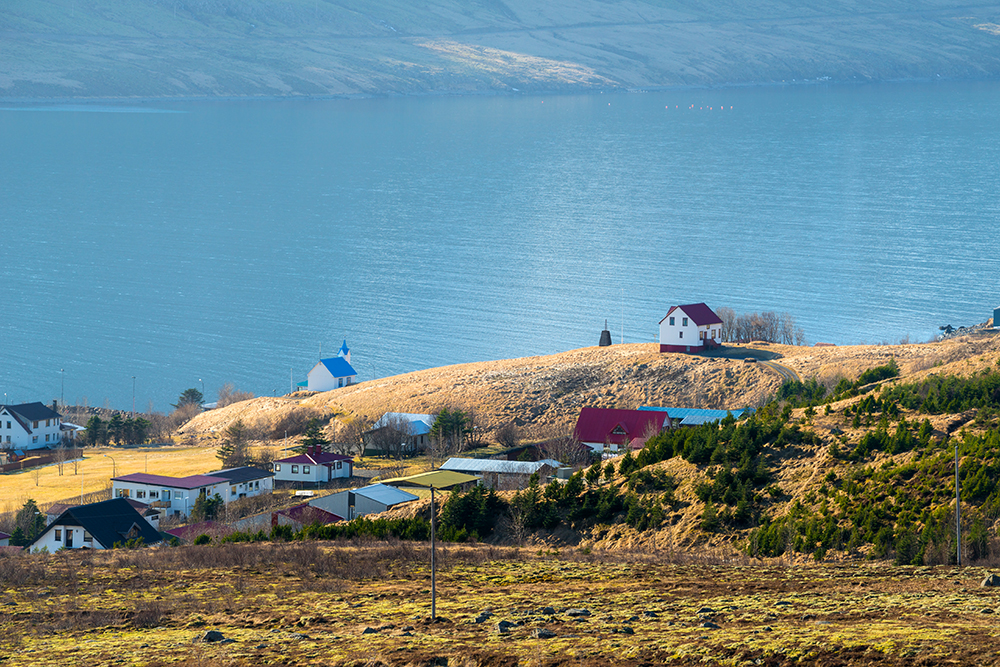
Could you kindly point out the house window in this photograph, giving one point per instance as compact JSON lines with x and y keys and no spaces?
{"x":166,"y":495}
{"x":680,"y":334}
{"x":140,"y":494}
{"x":34,"y":424}
{"x":34,"y":439}
{"x":618,"y":430}
{"x":340,"y":382}
{"x":123,"y":493}
{"x":46,"y":437}
{"x":277,"y":467}
{"x":88,"y":538}
{"x":305,"y":470}
{"x":671,"y":321}
{"x":256,"y":485}
{"x":684,"y":322}
{"x":232,"y":490}
{"x":47,"y":423}
{"x":295,"y":470}
{"x":154,"y":494}
{"x":58,"y":535}
{"x":340,"y":464}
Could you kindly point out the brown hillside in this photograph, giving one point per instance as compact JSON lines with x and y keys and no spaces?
{"x":548,"y":391}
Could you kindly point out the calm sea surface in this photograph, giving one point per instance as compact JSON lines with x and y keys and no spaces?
{"x":231,"y":242}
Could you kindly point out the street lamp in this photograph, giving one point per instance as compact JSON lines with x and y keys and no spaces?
{"x":202,"y":388}
{"x":114,"y":467}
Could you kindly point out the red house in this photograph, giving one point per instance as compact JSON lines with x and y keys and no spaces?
{"x":601,"y":427}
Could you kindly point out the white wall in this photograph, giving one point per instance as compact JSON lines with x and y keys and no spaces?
{"x":181,"y":500}
{"x":13,"y":436}
{"x":296,"y":472}
{"x":337,"y":503}
{"x":48,"y":539}
{"x":678,"y":333}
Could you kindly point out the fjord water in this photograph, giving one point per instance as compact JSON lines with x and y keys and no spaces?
{"x":230,"y":241}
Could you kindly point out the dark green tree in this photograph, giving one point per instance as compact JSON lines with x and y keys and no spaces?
{"x":205,"y":508}
{"x":450,"y":429}
{"x":97,"y":432}
{"x":116,"y":429}
{"x":234,"y":451}
{"x":30,"y":522}
{"x":189,"y":397}
{"x":314,"y":435}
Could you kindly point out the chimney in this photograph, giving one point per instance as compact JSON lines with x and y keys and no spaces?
{"x":55,"y":405}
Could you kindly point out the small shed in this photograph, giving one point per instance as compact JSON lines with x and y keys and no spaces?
{"x":372,"y":499}
{"x":503,"y":475}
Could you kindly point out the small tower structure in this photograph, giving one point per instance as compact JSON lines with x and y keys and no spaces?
{"x":605,"y":336}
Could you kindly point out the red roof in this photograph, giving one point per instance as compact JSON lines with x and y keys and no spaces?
{"x":699,"y":313}
{"x":616,"y":427}
{"x":316,"y":459}
{"x":307,"y":515}
{"x":191,"y":482}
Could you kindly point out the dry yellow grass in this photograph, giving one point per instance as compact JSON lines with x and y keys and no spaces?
{"x":45,"y":485}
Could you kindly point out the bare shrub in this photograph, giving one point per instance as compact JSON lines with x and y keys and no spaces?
{"x":294,"y":423}
{"x":348,"y":437}
{"x":228,"y":394}
{"x":508,"y":435}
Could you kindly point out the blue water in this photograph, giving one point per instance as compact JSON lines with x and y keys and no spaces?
{"x":232,"y":241}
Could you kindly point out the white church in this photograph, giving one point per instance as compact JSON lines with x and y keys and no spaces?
{"x":333,"y":373}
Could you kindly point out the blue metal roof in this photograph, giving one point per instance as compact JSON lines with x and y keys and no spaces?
{"x":697,"y":416}
{"x":386,"y":495}
{"x":338,"y":367}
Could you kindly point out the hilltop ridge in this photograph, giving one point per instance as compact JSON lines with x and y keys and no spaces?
{"x":319,"y":48}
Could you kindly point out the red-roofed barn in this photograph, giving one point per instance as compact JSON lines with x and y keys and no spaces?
{"x":600,"y":427}
{"x":691,"y":328}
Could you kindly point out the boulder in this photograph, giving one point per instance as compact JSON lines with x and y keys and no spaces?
{"x":577,"y":612}
{"x":503,"y":627}
{"x":990,"y":581}
{"x":542,"y":633}
{"x":211,"y":636}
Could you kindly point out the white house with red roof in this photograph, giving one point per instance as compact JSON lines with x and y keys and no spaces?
{"x":691,"y":328}
{"x":603,"y":428}
{"x":177,"y":495}
{"x":313,"y":467}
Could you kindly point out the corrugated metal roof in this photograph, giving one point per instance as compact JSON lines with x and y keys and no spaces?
{"x":439,"y":479}
{"x":419,"y":424}
{"x":492,"y":465}
{"x":696,"y":416}
{"x":386,"y":495}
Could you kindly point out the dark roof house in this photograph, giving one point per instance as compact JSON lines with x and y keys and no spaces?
{"x":96,"y":526}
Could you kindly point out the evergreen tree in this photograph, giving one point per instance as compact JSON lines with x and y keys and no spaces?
{"x":314,"y":435}
{"x":30,"y":522}
{"x":234,"y":451}
{"x":189,"y":397}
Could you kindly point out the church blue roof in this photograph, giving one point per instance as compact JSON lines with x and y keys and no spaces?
{"x":338,"y":367}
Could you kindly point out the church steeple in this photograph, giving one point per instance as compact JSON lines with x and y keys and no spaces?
{"x":345,"y":352}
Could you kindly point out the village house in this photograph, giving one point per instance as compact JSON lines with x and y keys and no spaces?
{"x":177,"y":495}
{"x":150,"y":514}
{"x":352,"y":503}
{"x":503,"y":475}
{"x":607,"y":429}
{"x":29,"y":426}
{"x":314,"y":467}
{"x":417,"y":431}
{"x":96,"y":526}
{"x":691,"y":328}
{"x":332,"y":373}
{"x":4,"y":539}
{"x":300,"y":516}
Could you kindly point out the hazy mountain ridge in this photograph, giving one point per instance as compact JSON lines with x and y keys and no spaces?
{"x":215,"y":48}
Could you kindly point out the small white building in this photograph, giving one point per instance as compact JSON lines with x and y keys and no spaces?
{"x":29,"y":426}
{"x":313,"y":467}
{"x":352,"y":503}
{"x":96,"y":526}
{"x":417,"y":428}
{"x":691,"y":328}
{"x":332,"y":373}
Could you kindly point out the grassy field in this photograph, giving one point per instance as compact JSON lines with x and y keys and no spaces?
{"x":332,"y":604}
{"x":45,"y":485}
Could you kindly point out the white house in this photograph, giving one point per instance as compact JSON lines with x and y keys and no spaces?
{"x":245,"y":482}
{"x":372,"y":499}
{"x":29,"y":426}
{"x":174,"y":495}
{"x":96,"y":526}
{"x":690,"y":328}
{"x":417,"y":426}
{"x":332,"y":373}
{"x":313,"y":467}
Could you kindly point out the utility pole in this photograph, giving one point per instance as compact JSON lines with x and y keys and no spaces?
{"x":433,"y":561}
{"x":133,"y":396}
{"x":623,"y":316}
{"x":62,"y":387}
{"x":958,"y":514}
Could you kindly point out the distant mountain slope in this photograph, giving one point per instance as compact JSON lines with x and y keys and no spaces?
{"x":184,"y":48}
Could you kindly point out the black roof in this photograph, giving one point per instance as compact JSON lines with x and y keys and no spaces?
{"x":240,"y":475}
{"x":108,"y":522}
{"x":33,"y":411}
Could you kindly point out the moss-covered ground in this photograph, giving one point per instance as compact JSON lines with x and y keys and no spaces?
{"x":329,"y":604}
